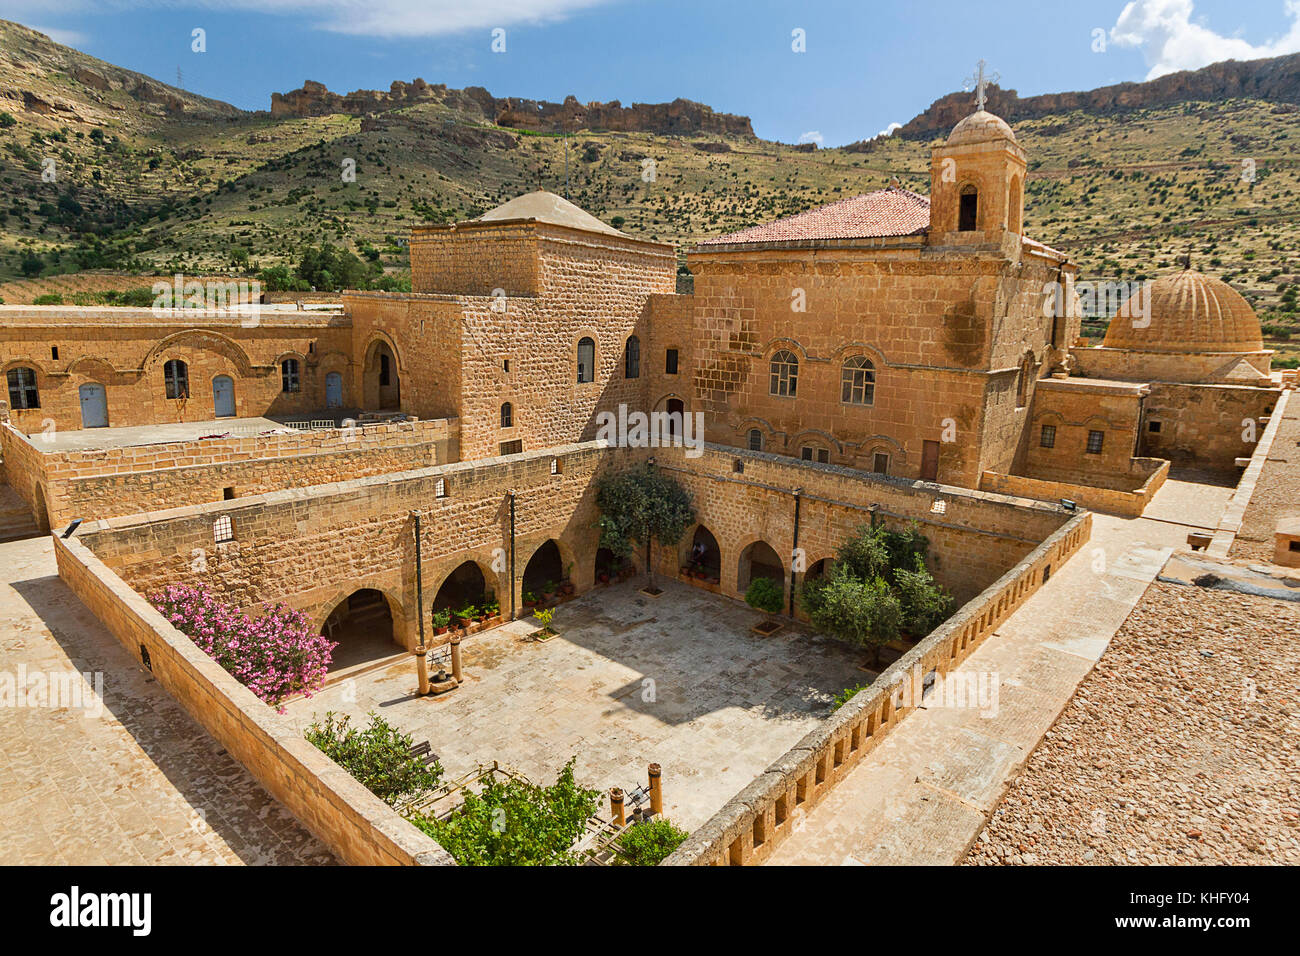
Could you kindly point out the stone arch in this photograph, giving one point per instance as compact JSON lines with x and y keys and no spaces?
{"x":818,"y":434}
{"x":970,"y":212}
{"x":470,"y":580}
{"x":545,"y":565}
{"x":780,"y":342}
{"x":759,"y":558}
{"x":700,"y":549}
{"x":365,"y":624}
{"x":93,"y":368}
{"x":381,"y":373}
{"x":849,"y":349}
{"x":215,"y":342}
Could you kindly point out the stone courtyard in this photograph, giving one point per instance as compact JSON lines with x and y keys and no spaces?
{"x":678,"y":680}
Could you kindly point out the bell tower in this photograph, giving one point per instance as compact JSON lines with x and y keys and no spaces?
{"x":977,"y":180}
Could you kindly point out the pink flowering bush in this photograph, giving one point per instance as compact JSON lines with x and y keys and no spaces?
{"x":275,"y":655}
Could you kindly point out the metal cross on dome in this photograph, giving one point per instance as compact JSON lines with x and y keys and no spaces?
{"x":979,"y":80}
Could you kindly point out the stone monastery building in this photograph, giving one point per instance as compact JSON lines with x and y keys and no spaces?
{"x":905,"y":344}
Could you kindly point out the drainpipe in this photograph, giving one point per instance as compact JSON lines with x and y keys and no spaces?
{"x":513,"y":609}
{"x":421,"y":664}
{"x":798,"y":498}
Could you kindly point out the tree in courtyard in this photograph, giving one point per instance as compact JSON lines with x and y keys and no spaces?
{"x":879,"y":587}
{"x":378,"y":756}
{"x":640,"y":506}
{"x":513,"y":822}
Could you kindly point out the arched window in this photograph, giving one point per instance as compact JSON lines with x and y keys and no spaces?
{"x":632,"y":358}
{"x":22,"y":388}
{"x":755,"y":440}
{"x":507,"y":416}
{"x":968,"y":209}
{"x":586,"y":359}
{"x":858,"y":381}
{"x":289,"y":380}
{"x":785,"y":374}
{"x":176,"y":375}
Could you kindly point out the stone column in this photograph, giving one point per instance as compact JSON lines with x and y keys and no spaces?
{"x":616,"y":806}
{"x":455,"y":658}
{"x":656,"y":790}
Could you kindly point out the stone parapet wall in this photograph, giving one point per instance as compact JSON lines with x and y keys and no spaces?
{"x":750,"y":826}
{"x":1145,"y":478}
{"x":355,"y":824}
{"x":147,"y":478}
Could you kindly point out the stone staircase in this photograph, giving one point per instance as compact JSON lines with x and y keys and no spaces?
{"x":16,"y":520}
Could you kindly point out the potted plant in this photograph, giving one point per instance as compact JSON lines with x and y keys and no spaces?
{"x":548,"y":591}
{"x":566,"y":584}
{"x":543,"y":616}
{"x":441,"y":621}
{"x":465,"y":615}
{"x":530,"y":599}
{"x":603,"y":575}
{"x":492,"y":608}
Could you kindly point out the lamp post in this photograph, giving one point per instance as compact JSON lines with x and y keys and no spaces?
{"x":421,"y":663}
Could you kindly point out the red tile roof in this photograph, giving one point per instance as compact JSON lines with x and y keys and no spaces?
{"x":885,"y":212}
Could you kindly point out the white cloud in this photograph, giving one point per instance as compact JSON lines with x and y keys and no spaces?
{"x":1170,"y":41}
{"x":889,"y":130}
{"x":812,"y":136}
{"x":66,"y":37}
{"x":381,"y":18}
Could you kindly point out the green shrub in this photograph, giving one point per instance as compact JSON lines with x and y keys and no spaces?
{"x":846,"y":695}
{"x":50,"y":298}
{"x":379,"y":756}
{"x":516,"y":823}
{"x":765,"y":595}
{"x":649,"y":843}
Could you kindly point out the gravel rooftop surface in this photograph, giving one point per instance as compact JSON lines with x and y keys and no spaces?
{"x":1181,"y":747}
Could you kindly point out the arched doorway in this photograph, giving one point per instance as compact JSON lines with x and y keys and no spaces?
{"x":466,"y":585}
{"x":362,"y":624}
{"x":223,"y":396}
{"x":759,"y":560}
{"x":94,"y":405}
{"x":334,"y":390}
{"x":383,"y":385}
{"x":704,"y":557}
{"x":545,"y":570}
{"x":676,"y":415}
{"x":818,"y":569}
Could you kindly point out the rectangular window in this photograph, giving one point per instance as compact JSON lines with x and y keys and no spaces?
{"x":1153,"y":426}
{"x":440,"y":488}
{"x":1047,"y":438}
{"x":880,"y":463}
{"x":223,"y":530}
{"x":512,"y":447}
{"x":755,"y":440}
{"x":806,"y":453}
{"x":1095,"y":439}
{"x":670,"y":362}
{"x":54,"y":352}
{"x":823,"y":456}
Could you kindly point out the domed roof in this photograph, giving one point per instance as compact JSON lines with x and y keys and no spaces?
{"x":980,"y":127}
{"x":1189,"y":312}
{"x":547,"y":207}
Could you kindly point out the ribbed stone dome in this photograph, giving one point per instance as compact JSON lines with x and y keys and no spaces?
{"x":980,"y":127}
{"x":1190,"y":312}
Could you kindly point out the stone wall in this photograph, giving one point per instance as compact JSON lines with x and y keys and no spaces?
{"x":973,"y":540}
{"x":1129,"y":499}
{"x":1134,"y":366}
{"x":355,"y":824}
{"x":1206,"y":426}
{"x":111,"y":482}
{"x":311,"y":548}
{"x":750,"y":826}
{"x":1074,"y":408}
{"x":124,"y":350}
{"x":925,"y":319}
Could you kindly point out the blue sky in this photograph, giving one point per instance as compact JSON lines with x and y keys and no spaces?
{"x":867,"y":63}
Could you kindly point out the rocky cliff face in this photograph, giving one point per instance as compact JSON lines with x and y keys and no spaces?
{"x":680,"y":116}
{"x":1276,"y":79}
